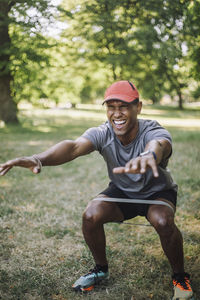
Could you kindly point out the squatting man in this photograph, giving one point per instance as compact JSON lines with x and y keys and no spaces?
{"x":136,"y":152}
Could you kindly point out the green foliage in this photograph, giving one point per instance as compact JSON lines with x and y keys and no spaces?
{"x":144,"y":41}
{"x":191,"y":30}
{"x":29,"y":49}
{"x":153,"y":43}
{"x":29,"y":58}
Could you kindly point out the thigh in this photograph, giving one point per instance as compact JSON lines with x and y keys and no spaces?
{"x":103,"y":212}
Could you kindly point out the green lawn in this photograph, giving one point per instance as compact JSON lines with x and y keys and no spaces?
{"x":42,"y":249}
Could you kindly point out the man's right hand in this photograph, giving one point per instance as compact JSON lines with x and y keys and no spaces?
{"x":31,"y":162}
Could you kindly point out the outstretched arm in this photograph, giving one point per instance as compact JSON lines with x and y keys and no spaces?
{"x":60,"y":153}
{"x":140,"y":164}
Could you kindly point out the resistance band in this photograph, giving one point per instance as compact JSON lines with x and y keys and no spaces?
{"x":134,"y":201}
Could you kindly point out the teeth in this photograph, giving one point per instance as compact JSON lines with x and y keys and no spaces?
{"x":119,"y":122}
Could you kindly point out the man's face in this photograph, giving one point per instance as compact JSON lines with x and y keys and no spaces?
{"x":123,"y":117}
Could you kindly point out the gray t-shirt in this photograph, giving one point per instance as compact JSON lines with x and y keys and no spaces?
{"x":116,"y":155}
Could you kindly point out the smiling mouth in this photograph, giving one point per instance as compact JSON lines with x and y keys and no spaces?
{"x":119,"y":123}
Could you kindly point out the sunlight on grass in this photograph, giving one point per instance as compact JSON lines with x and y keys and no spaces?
{"x":34,"y":143}
{"x":72,"y":113}
{"x":171,"y":122}
{"x":61,"y":116}
{"x":44,"y":128}
{"x":2,"y":124}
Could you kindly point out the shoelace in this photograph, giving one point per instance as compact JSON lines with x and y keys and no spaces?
{"x":183,"y":282}
{"x":94,"y":270}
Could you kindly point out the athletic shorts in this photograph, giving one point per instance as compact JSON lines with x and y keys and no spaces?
{"x":131,"y":210}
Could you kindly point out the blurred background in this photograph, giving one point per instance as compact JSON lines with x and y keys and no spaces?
{"x":63,"y":53}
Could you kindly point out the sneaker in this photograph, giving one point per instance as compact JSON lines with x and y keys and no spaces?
{"x":182,"y":287}
{"x":87,"y":282}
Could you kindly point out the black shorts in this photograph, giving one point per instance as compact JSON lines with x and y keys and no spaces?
{"x":131,"y":210}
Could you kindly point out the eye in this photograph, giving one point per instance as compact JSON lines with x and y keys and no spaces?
{"x":124,"y":107}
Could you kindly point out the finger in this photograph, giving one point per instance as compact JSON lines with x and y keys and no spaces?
{"x":3,"y":171}
{"x":149,"y":163}
{"x":128,"y":165}
{"x":5,"y":165}
{"x":119,"y":170}
{"x":132,"y":166}
{"x":8,"y":164}
{"x":143,"y":165}
{"x":154,"y":168}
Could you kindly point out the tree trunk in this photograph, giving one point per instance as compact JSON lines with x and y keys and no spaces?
{"x":114,"y":73}
{"x":8,"y":108}
{"x":154,"y":99}
{"x":180,"y":100}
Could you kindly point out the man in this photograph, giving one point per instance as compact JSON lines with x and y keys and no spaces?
{"x":136,"y":152}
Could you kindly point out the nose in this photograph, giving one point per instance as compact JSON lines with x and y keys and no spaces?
{"x":117,"y":112}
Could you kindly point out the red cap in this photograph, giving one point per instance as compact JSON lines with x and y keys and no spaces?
{"x":122,"y":90}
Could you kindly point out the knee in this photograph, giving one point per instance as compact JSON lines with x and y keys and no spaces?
{"x":88,"y":216}
{"x":164,"y":225}
{"x":91,"y":215}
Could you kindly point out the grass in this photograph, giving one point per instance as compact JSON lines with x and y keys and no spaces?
{"x":42,"y":249}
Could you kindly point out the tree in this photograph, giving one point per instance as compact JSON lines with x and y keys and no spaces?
{"x":21,"y":41}
{"x":139,"y":40}
{"x":7,"y":105}
{"x":155,"y":43}
{"x":192,"y":37}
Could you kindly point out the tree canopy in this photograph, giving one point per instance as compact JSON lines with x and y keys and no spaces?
{"x":154,"y":43}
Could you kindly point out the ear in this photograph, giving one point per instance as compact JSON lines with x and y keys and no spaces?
{"x":139,"y":107}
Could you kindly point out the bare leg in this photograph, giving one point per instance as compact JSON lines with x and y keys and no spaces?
{"x":96,"y":214}
{"x":162,"y":218}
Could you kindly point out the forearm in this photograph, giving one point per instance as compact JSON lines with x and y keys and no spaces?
{"x":162,"y":149}
{"x":58,"y":154}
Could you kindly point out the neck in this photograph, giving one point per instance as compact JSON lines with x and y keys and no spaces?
{"x":129,"y":136}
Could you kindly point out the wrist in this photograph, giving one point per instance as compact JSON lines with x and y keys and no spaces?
{"x":148,"y":152}
{"x":37,"y":159}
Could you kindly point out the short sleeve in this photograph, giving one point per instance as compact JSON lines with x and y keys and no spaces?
{"x":155,"y":131}
{"x":98,"y":136}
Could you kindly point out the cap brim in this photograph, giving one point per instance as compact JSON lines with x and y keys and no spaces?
{"x":123,"y":99}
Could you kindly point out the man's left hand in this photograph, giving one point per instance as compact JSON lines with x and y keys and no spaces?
{"x":139,"y":165}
